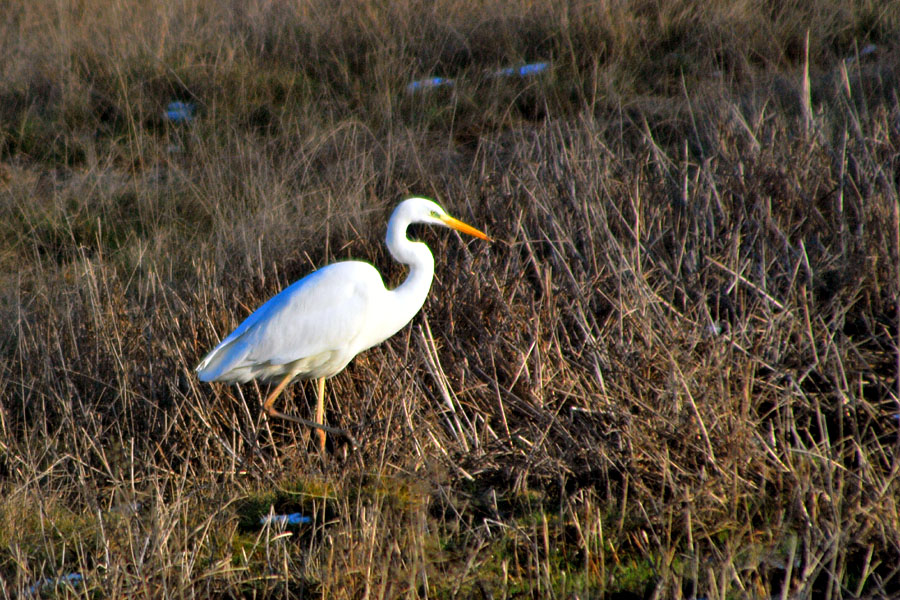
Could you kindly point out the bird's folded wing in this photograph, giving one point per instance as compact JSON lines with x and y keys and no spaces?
{"x":315,"y":317}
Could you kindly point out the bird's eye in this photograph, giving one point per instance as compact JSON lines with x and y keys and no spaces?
{"x":435,"y":215}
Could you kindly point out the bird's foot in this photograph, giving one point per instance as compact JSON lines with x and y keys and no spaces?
{"x":342,"y":434}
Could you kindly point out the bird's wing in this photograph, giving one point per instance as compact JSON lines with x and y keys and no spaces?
{"x":318,"y":315}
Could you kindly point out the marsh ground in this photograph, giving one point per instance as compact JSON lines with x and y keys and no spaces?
{"x":674,"y":374}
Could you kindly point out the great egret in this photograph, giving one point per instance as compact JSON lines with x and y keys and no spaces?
{"x":314,"y":327}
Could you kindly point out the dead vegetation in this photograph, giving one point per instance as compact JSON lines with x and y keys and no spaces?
{"x":675,"y":374}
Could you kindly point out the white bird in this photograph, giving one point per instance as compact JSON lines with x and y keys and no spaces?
{"x":314,"y":327}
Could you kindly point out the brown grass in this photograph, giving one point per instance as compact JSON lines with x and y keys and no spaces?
{"x":675,"y":374}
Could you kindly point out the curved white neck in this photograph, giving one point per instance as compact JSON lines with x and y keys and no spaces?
{"x":409,"y":295}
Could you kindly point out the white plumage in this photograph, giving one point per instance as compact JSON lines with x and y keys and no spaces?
{"x":274,"y":341}
{"x":315,"y":326}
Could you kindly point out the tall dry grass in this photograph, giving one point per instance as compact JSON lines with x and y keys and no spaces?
{"x":673,"y":375}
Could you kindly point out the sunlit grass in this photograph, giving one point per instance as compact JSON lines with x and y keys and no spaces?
{"x":672,"y":375}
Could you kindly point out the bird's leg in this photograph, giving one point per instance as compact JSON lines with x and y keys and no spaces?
{"x":270,"y":401}
{"x":320,"y":412}
{"x":268,"y":406}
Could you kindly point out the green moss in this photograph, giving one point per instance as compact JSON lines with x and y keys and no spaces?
{"x":36,"y":533}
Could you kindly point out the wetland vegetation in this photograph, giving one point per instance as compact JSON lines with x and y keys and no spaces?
{"x":673,"y":375}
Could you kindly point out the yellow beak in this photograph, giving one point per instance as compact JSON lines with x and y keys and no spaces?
{"x":463,"y":227}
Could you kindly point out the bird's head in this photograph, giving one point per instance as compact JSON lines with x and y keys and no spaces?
{"x":423,"y":210}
